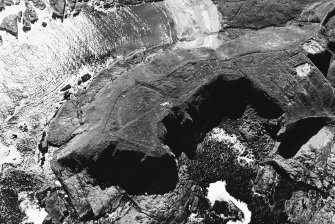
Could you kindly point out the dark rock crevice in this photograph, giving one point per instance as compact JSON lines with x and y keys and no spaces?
{"x":298,"y":133}
{"x":187,"y":125}
{"x":134,"y":172}
{"x":321,"y":61}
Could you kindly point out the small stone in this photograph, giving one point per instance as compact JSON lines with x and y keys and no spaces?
{"x":67,"y":87}
{"x":1,"y":41}
{"x":44,"y":24}
{"x":86,"y":77}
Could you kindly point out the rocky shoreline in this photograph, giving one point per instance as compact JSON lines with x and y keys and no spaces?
{"x":235,"y":91}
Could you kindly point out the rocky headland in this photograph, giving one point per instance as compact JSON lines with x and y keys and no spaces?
{"x":131,"y":111}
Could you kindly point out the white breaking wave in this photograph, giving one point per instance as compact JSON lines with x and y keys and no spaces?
{"x":9,"y":155}
{"x":34,"y":214}
{"x":217,"y":192}
{"x":220,"y":135}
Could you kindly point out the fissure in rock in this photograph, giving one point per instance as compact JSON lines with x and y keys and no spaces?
{"x":298,"y":134}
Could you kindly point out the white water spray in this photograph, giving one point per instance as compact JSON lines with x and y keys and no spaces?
{"x":217,"y":192}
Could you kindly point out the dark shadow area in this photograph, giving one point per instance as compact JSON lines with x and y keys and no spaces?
{"x":321,"y":61}
{"x":331,"y":46}
{"x":187,"y":125}
{"x":134,"y":172}
{"x":298,"y":134}
{"x":328,"y":16}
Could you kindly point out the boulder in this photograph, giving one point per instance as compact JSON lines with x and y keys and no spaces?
{"x":9,"y":24}
{"x":30,"y":13}
{"x":314,"y":163}
{"x":58,"y":7}
{"x":39,"y":4}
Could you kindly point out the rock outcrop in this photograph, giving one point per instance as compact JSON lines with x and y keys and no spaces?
{"x":314,"y":162}
{"x":138,"y":124}
{"x":250,"y":102}
{"x":257,"y":14}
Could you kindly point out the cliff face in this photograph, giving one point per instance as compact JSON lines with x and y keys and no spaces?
{"x":155,"y":101}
